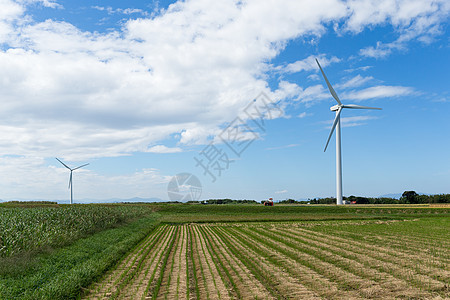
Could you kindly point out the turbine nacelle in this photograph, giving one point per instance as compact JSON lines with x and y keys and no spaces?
{"x":335,"y":107}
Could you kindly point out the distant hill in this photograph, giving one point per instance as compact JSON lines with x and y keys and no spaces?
{"x":119,"y":200}
{"x":88,"y":200}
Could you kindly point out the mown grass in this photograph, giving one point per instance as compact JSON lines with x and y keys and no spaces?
{"x":185,"y":213}
{"x":62,"y":273}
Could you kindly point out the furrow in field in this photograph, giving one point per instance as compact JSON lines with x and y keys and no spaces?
{"x":359,"y":276}
{"x":270,"y":269}
{"x":149,"y":270}
{"x":397,"y":269}
{"x":320,"y":263}
{"x":193,"y":285}
{"x":249,"y":287}
{"x":199,"y":267}
{"x":405,"y":244}
{"x":125,"y":269}
{"x":176,"y":287}
{"x":213,"y":282}
{"x":169,"y":273}
{"x":150,"y":278}
{"x":104,"y":287}
{"x":396,"y":259}
{"x":222,"y":270}
{"x":419,"y":255}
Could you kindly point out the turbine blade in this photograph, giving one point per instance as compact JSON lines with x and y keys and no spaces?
{"x":338,"y":115}
{"x":63,"y":164}
{"x":354,"y":106}
{"x":79,"y":167}
{"x":70,"y":180}
{"x":333,"y":93}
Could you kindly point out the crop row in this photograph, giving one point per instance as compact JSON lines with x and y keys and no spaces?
{"x":276,"y":261}
{"x":24,"y":229}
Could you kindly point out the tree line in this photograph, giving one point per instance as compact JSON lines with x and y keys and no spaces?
{"x":224,"y":201}
{"x":408,"y":197}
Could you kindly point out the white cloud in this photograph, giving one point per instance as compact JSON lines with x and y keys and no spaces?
{"x":314,"y":77}
{"x":48,"y":3}
{"x":412,"y":20}
{"x":304,"y":115}
{"x":188,"y":70}
{"x":30,"y":177}
{"x":309,"y":63}
{"x":355,"y":121}
{"x":381,"y":91}
{"x":351,"y":121}
{"x":164,"y":149}
{"x":355,"y":81}
{"x":312,"y":94}
{"x":363,"y":68}
{"x":281,"y":192}
{"x":126,"y":11}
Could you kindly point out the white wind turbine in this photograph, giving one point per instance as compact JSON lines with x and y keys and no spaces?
{"x":337,"y":125}
{"x":70,"y":179}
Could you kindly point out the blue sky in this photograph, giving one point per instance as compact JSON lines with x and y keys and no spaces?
{"x":140,"y":88}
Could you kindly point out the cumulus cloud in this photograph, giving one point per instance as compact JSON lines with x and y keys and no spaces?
{"x":163,"y":149}
{"x":187,"y":70}
{"x":23,"y":175}
{"x":355,"y":81}
{"x":126,"y":11}
{"x":309,"y":63}
{"x":313,"y":94}
{"x":381,"y":91}
{"x":412,"y":20}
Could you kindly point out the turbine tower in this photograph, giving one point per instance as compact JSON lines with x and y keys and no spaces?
{"x":337,"y":125}
{"x":70,"y":179}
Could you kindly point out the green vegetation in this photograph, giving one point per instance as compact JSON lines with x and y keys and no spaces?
{"x":408,"y":197}
{"x":61,"y":273}
{"x":184,"y":213}
{"x":30,"y":227}
{"x":172,"y":251}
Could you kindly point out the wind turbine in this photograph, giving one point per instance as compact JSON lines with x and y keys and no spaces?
{"x":337,"y":125}
{"x":70,"y":179}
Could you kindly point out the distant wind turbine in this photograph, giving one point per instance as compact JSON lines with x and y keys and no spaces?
{"x":337,"y":124}
{"x":70,"y":179}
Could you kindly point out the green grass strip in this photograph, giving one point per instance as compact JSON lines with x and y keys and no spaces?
{"x":63,"y":273}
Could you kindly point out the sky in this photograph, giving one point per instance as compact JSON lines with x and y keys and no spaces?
{"x":222,"y":98}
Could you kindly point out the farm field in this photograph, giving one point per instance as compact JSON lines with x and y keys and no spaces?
{"x":182,"y":251}
{"x":351,"y":259}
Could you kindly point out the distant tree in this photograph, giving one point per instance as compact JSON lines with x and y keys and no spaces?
{"x":409,"y":197}
{"x":288,"y":201}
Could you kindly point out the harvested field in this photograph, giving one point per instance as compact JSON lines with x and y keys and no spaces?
{"x":317,"y":260}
